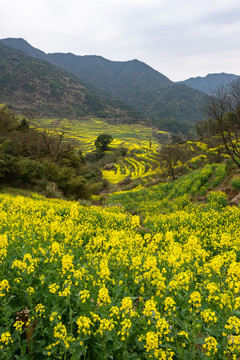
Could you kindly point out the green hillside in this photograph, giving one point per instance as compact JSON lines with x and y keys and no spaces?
{"x":39,"y":88}
{"x":211,"y":82}
{"x":138,"y":84}
{"x":134,"y":82}
{"x":92,"y":282}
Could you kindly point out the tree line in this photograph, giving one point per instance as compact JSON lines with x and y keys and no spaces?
{"x":42,"y":161}
{"x":221,"y":132}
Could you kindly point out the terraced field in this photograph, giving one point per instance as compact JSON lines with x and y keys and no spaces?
{"x":142,"y":144}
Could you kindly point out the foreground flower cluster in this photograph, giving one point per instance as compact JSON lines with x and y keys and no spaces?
{"x":85,"y":282}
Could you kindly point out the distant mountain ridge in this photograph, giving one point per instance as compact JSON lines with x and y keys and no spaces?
{"x":211,"y":82}
{"x":43,"y":89}
{"x":134,"y":82}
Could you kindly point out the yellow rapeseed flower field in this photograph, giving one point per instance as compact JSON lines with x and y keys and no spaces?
{"x":81,"y":282}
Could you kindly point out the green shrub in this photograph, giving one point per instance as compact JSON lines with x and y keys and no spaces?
{"x":202,"y":191}
{"x":205,"y":174}
{"x":235,"y":182}
{"x":53,"y":191}
{"x":217,"y":198}
{"x":78,"y":188}
{"x":195,"y":187}
{"x":220,"y":174}
{"x":30,"y":171}
{"x":181,"y":202}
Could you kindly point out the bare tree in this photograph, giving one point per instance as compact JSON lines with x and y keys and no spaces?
{"x":54,"y":145}
{"x":224,"y":108}
{"x":172,"y":158}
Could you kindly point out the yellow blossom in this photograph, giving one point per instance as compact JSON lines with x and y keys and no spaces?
{"x":5,"y":339}
{"x":18,"y":325}
{"x":30,"y":290}
{"x":105,"y":324}
{"x":103,"y":296}
{"x":4,"y":287}
{"x":60,"y":333}
{"x":40,"y":310}
{"x":150,"y":308}
{"x":67,"y":264}
{"x":210,"y":346}
{"x":209,"y":316}
{"x":233,"y":324}
{"x":54,"y":315}
{"x":53,"y":288}
{"x":66,"y":288}
{"x":3,"y":246}
{"x":84,"y":295}
{"x":195,"y":299}
{"x":170,"y":304}
{"x":124,"y":332}
{"x":84,"y":325}
{"x":151,"y":341}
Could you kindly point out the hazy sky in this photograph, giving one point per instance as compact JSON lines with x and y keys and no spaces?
{"x":179,"y":38}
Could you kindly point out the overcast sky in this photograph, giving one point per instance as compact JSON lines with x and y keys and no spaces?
{"x":179,"y":38}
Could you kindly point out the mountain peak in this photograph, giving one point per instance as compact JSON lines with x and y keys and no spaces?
{"x":211,"y":82}
{"x":133,"y":82}
{"x":23,"y":45}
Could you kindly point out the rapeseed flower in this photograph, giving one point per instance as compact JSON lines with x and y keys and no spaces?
{"x":40,"y":310}
{"x":3,"y":246}
{"x":5,"y":339}
{"x":210,"y":346}
{"x":4,"y":287}
{"x":104,"y":325}
{"x":103,"y":296}
{"x":195,"y":299}
{"x":124,"y":332}
{"x":84,"y":295}
{"x":84,"y":325}
{"x":209,"y":316}
{"x":53,"y":288}
{"x":18,"y":325}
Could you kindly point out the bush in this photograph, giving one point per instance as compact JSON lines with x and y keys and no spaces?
{"x":202,"y":191}
{"x":53,"y":191}
{"x":217,"y":197}
{"x":235,"y":182}
{"x":78,"y":188}
{"x":220,"y":174}
{"x":30,"y":171}
{"x":195,"y":187}
{"x":94,"y":156}
{"x":122,"y":151}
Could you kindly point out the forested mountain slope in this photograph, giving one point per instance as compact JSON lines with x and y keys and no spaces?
{"x":210,"y":83}
{"x":38,"y":87}
{"x":133,"y":81}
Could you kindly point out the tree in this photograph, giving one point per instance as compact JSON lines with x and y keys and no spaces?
{"x":23,"y":125}
{"x":103,"y":141}
{"x":224,"y":108}
{"x":172,"y":158}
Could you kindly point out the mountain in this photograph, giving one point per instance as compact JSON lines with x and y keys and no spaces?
{"x":134,"y":82}
{"x":210,"y":83}
{"x":35,"y":86}
{"x":21,"y":44}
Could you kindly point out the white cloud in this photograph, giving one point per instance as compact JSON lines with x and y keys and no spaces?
{"x":180,"y":38}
